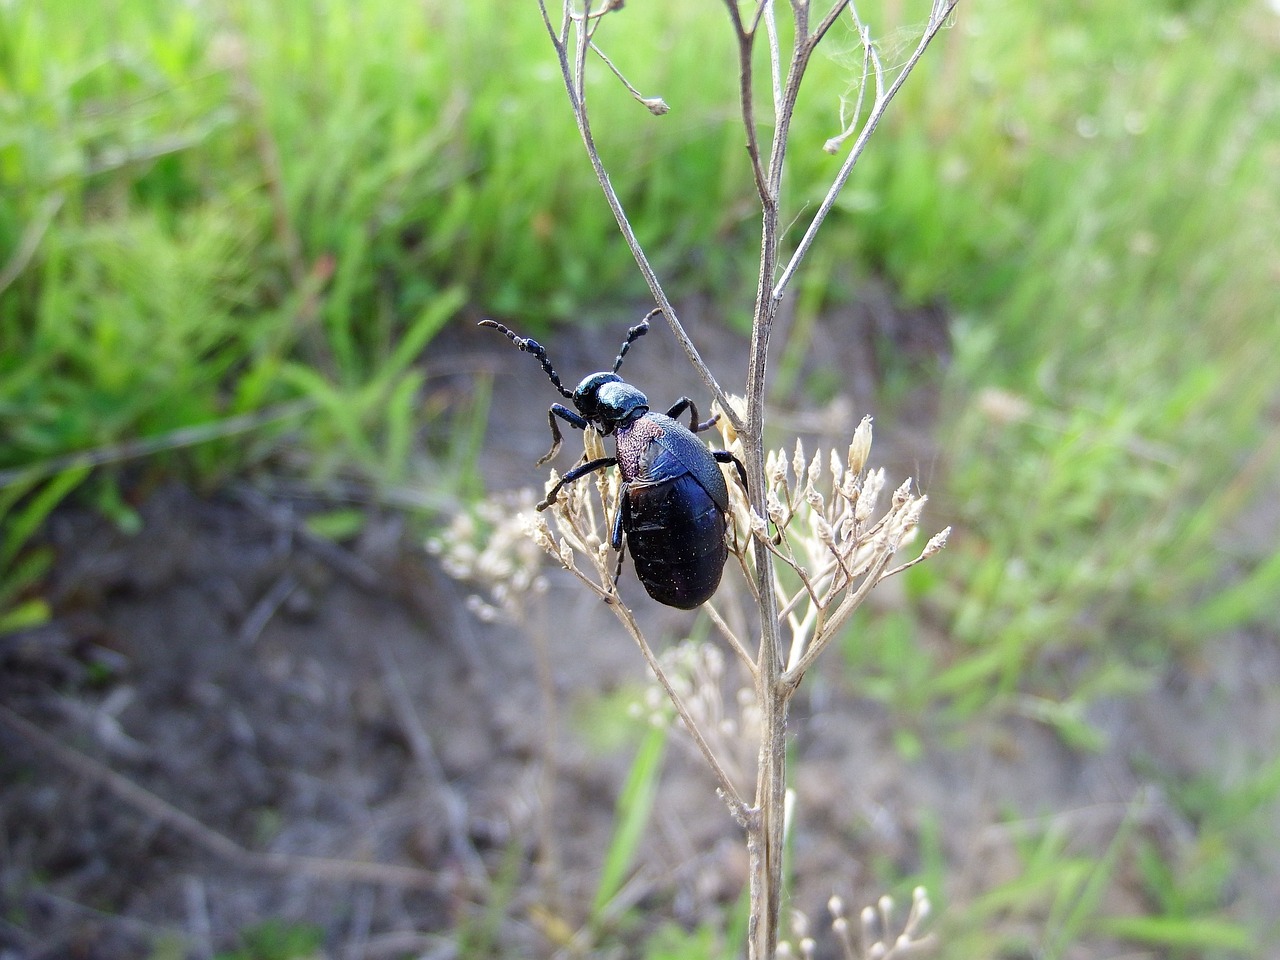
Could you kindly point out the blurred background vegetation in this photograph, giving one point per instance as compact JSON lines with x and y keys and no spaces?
{"x":229,"y":230}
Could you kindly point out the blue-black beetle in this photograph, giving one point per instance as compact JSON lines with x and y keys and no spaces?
{"x":673,"y":498}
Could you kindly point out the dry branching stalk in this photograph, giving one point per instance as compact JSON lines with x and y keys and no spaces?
{"x":811,"y":537}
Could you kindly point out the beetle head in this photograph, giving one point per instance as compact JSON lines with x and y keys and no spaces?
{"x":606,"y":399}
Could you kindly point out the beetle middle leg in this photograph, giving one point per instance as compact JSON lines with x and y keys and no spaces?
{"x":573,"y":475}
{"x":683,"y":404}
{"x":616,"y":540}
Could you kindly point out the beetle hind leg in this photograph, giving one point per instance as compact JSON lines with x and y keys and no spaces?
{"x":683,"y":404}
{"x":724,"y":456}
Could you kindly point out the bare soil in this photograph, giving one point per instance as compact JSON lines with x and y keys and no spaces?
{"x":229,"y":721}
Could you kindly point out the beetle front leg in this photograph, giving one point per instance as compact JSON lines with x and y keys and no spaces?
{"x":569,"y":417}
{"x":573,"y":475}
{"x":683,"y":404}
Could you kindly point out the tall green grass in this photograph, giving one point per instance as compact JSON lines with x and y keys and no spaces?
{"x":1136,"y":338}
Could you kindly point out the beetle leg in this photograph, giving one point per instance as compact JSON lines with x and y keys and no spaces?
{"x":616,"y":540}
{"x":683,"y":404}
{"x":573,"y":475}
{"x":724,"y":456}
{"x":569,"y":417}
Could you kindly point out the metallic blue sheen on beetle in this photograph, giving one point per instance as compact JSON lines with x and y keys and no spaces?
{"x":673,"y":498}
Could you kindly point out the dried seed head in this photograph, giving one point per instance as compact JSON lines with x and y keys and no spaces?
{"x":814,"y":499}
{"x":774,"y":506}
{"x":593,"y":443}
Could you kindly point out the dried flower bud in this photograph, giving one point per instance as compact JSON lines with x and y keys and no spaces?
{"x":860,"y":446}
{"x":920,"y":906}
{"x":655,"y":105}
{"x":774,"y":506}
{"x":936,"y":543}
{"x":815,"y":469}
{"x":798,"y":461}
{"x":776,"y":468}
{"x":869,"y":494}
{"x":799,"y":924}
{"x":1003,"y":407}
{"x":758,"y":525}
{"x":911,"y":515}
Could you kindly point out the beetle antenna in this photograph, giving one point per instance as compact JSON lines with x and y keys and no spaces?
{"x":529,"y":345}
{"x":634,"y":334}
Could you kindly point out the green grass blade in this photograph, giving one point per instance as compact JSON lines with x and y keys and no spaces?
{"x":634,"y":806}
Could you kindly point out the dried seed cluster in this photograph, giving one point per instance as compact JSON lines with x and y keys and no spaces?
{"x":484,"y":548}
{"x":832,"y":542}
{"x":875,"y":939}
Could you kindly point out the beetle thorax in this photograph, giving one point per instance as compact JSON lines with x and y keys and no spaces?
{"x":633,"y":446}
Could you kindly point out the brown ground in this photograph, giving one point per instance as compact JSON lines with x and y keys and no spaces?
{"x":228,"y":721}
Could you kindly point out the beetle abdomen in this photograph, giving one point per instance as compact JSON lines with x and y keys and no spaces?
{"x":676,"y":533}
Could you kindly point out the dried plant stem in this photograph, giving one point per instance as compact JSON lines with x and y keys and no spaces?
{"x":732,"y":639}
{"x":941,"y":14}
{"x":728,"y":790}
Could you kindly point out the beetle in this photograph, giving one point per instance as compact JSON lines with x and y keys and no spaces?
{"x":673,"y":499}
